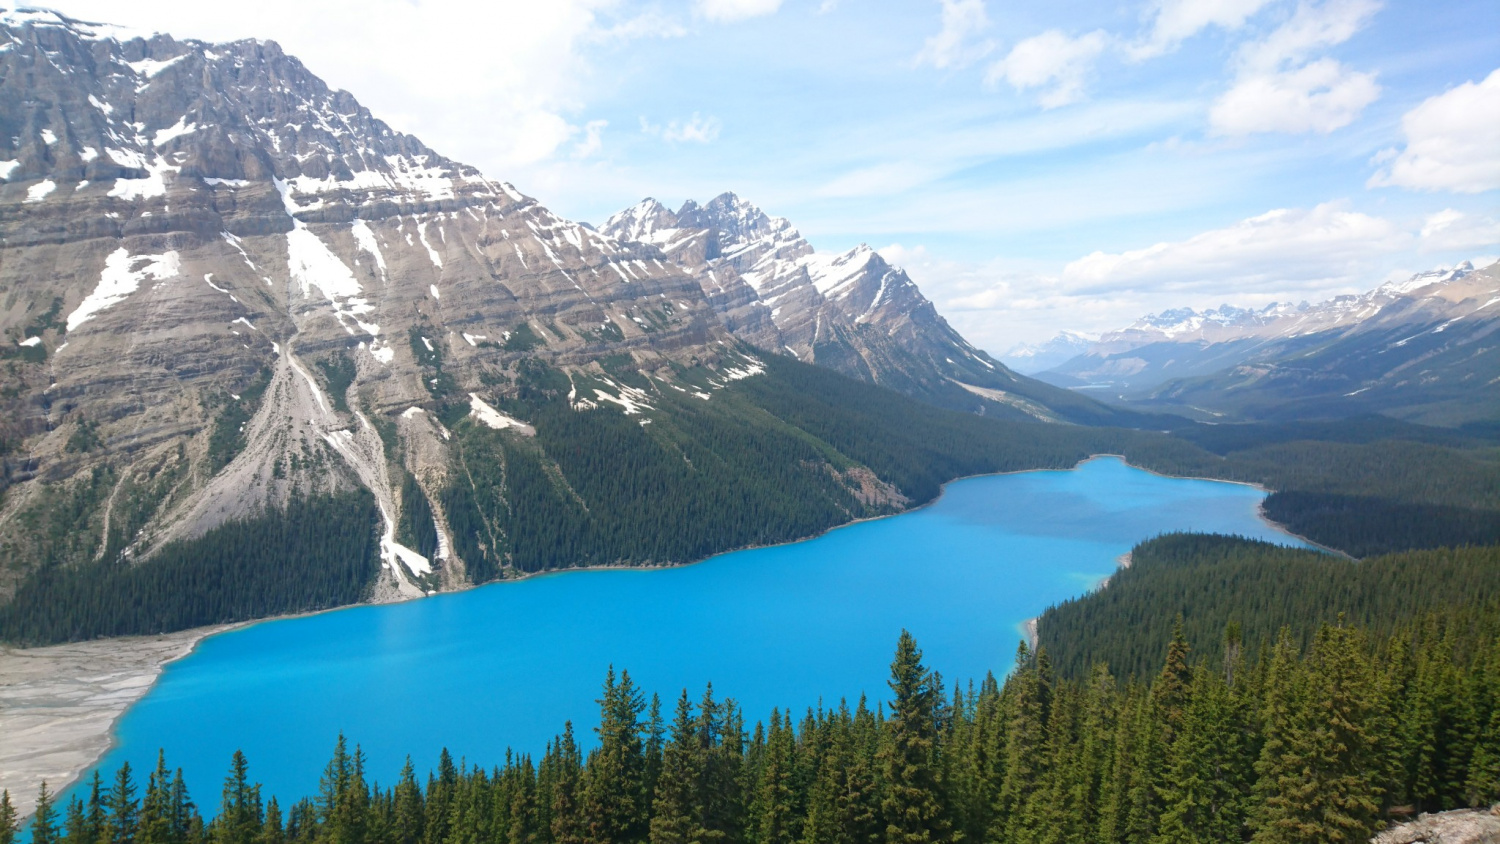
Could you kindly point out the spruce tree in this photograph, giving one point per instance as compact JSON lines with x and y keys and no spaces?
{"x":44,"y":818}
{"x":913,"y":807}
{"x":406,"y":823}
{"x":1318,"y":771}
{"x":8,"y":820}
{"x":614,"y":801}
{"x":123,"y":809}
{"x":240,"y":819}
{"x":567,"y":821}
{"x":676,"y":814}
{"x":773,"y":809}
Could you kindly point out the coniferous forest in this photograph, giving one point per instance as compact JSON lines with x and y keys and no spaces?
{"x":1315,"y":745}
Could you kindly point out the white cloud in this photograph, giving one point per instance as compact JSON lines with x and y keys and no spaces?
{"x":592,"y":142}
{"x":729,"y":11}
{"x":1279,"y":88}
{"x":957,"y":43}
{"x":1452,"y":142}
{"x":1283,"y":244}
{"x":1449,"y":230}
{"x":1282,"y":255}
{"x":1053,"y":61}
{"x":1176,"y":21}
{"x":696,"y":129}
{"x":1318,"y":97}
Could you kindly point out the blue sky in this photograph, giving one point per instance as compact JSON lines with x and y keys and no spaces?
{"x":1036,"y":167}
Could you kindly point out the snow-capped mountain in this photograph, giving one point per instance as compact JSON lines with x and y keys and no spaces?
{"x":229,"y":289}
{"x":1030,"y":358}
{"x":185,"y":224}
{"x":851,"y":311}
{"x":1423,"y":332}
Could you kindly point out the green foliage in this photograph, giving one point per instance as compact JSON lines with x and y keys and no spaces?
{"x":338,"y":371}
{"x":85,"y":437}
{"x":318,"y":552}
{"x":1306,"y":747}
{"x":228,"y":436}
{"x":522,"y":339}
{"x":440,"y":383}
{"x":417,"y":529}
{"x":1211,"y":581}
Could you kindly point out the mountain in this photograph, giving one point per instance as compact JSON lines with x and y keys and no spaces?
{"x":852,"y":312}
{"x":1422,"y":349}
{"x":265,"y":354}
{"x":1031,"y":358}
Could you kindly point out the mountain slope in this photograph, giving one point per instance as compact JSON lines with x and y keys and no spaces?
{"x":852,"y":312}
{"x":1431,"y":354}
{"x":228,"y":287}
{"x":1419,"y":349}
{"x":241,"y":315}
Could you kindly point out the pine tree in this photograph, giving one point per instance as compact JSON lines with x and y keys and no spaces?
{"x":155,"y":823}
{"x":1318,"y":778}
{"x":123,"y":809}
{"x":676,"y":814}
{"x":1206,"y":791}
{"x":913,"y":808}
{"x":773,"y":810}
{"x":8,"y":820}
{"x":1023,"y":722}
{"x":240,"y":819}
{"x":406,"y":825}
{"x":44,"y":818}
{"x":567,"y":823}
{"x":614,"y":801}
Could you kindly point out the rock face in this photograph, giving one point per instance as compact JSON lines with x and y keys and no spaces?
{"x":1465,"y":826}
{"x":225,"y":288}
{"x":184,"y":224}
{"x":852,"y":312}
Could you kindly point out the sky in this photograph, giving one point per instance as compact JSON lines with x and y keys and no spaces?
{"x":1036,"y":167}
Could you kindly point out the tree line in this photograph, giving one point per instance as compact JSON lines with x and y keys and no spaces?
{"x":1211,"y":581}
{"x":1320,"y":745}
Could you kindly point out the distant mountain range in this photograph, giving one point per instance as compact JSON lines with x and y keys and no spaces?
{"x":1425,"y":349}
{"x":1031,"y":358}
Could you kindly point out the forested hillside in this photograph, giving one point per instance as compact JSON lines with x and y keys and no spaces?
{"x":770,"y":458}
{"x":1318,"y":745}
{"x":1210,"y":583}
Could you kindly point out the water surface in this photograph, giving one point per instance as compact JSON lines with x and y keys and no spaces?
{"x":505,"y":665}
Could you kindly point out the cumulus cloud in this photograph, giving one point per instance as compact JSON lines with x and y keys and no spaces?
{"x":695,"y":130}
{"x":1452,"y":142}
{"x":1175,"y":21}
{"x":1055,"y":62}
{"x":1320,"y":96}
{"x":1279,"y":87}
{"x":958,"y":43}
{"x":1449,"y":231}
{"x":730,"y":11}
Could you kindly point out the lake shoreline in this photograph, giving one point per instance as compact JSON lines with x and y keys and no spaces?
{"x":59,"y":704}
{"x":74,"y":694}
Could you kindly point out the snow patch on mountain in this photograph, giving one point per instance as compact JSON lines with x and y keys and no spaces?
{"x":122,"y":274}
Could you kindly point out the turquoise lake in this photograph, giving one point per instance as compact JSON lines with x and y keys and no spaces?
{"x":505,"y":665}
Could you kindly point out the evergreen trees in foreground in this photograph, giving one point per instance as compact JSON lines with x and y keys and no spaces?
{"x":1315,"y":745}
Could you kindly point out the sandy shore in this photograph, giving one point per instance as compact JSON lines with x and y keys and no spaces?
{"x":59,"y":703}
